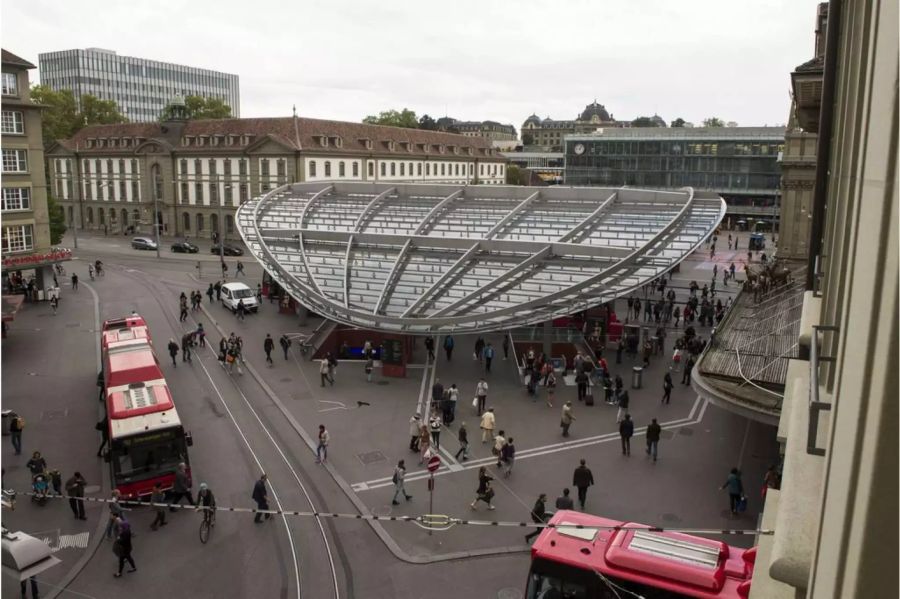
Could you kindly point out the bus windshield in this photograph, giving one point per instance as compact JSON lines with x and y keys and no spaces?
{"x":148,"y":454}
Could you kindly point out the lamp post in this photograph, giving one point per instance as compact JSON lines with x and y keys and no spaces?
{"x":156,"y":189}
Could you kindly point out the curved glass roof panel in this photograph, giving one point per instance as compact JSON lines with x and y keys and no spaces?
{"x":424,"y":259}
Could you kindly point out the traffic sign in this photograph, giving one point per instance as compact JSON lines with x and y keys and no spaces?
{"x":434,"y":462}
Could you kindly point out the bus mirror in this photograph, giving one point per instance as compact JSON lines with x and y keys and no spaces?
{"x":189,"y":439}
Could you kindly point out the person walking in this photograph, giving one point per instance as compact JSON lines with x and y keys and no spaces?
{"x":437,"y":394}
{"x":653,"y":434}
{"x":508,"y":457}
{"x":158,"y":497}
{"x":122,"y":547}
{"x":538,"y":516}
{"x":182,"y":309}
{"x":116,"y":514}
{"x":181,"y":488}
{"x":324,"y":367}
{"x":451,"y":399}
{"x":332,"y":367}
{"x":688,"y":367}
{"x":16,"y":426}
{"x":415,"y":423}
{"x":268,"y":346}
{"x":210,"y":292}
{"x":187,"y":341}
{"x":487,"y":425}
{"x":735,"y":489}
{"x":582,"y":478}
{"x":623,"y":402}
{"x":285,"y":345}
{"x":626,"y":431}
{"x":497,"y":448}
{"x":566,"y":419}
{"x":322,"y":447}
{"x":479,"y":348}
{"x":488,"y":357}
{"x":481,"y":391}
{"x":224,"y":270}
{"x":370,"y":366}
{"x":173,"y":352}
{"x":506,"y":346}
{"x":448,"y":347}
{"x":429,"y":345}
{"x":667,"y":388}
{"x":484,"y":492}
{"x":241,"y":310}
{"x":434,"y":427}
{"x":463,"y":437}
{"x":240,"y":269}
{"x":564,"y":502}
{"x":103,"y":427}
{"x":218,"y":289}
{"x":399,"y":477}
{"x":581,"y":380}
{"x":54,"y":304}
{"x":75,"y":490}
{"x":74,"y":282}
{"x":551,"y":387}
{"x":261,"y":497}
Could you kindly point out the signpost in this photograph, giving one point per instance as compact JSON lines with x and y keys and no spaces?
{"x":434,"y":462}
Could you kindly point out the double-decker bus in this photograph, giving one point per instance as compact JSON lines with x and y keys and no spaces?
{"x":147,"y":440}
{"x":605,"y":562}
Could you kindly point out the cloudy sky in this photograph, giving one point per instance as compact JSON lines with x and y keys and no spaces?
{"x":471,"y":59}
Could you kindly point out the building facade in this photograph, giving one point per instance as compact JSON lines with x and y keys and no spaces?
{"x":140,"y":87}
{"x":26,"y":224}
{"x":108,"y":177}
{"x":491,"y":130}
{"x":550,"y":134}
{"x":739,"y":163}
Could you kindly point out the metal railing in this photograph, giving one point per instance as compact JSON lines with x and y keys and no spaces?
{"x":816,"y":406}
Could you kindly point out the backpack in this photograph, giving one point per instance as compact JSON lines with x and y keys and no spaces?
{"x":20,"y":422}
{"x":395,"y":478}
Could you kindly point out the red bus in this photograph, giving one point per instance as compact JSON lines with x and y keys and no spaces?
{"x":582,"y":563}
{"x":146,"y":438}
{"x":123,"y":329}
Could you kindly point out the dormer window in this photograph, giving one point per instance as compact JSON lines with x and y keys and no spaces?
{"x":138,"y":141}
{"x":112,"y":142}
{"x":407,"y":147}
{"x":389,"y":145}
{"x":186,"y":140}
{"x":202,"y":139}
{"x":101,"y":142}
{"x":441,"y":148}
{"x":323,"y":140}
{"x":469,"y":151}
{"x":336,"y":141}
{"x":366,"y":142}
{"x":229,"y":140}
{"x":454,"y":149}
{"x":89,"y":143}
{"x":216,"y":139}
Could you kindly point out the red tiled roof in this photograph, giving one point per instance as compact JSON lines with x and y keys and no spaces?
{"x":10,"y":58}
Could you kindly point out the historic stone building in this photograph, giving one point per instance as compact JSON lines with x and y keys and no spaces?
{"x":491,"y":130}
{"x":108,"y":177}
{"x":550,"y":134}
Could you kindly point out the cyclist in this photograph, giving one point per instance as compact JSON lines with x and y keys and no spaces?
{"x":206,"y":501}
{"x":91,"y":271}
{"x":99,"y":267}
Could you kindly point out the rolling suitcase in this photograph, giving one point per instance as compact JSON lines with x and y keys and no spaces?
{"x":589,"y":399}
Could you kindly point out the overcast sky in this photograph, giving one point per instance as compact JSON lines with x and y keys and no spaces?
{"x":470,"y":59}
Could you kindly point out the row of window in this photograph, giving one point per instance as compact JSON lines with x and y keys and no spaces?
{"x":15,"y":161}
{"x":98,"y":165}
{"x":17,"y":238}
{"x":228,"y":188}
{"x":12,"y":122}
{"x":10,"y":84}
{"x":411,"y":169}
{"x":106,"y":190}
{"x":650,"y":148}
{"x":212,"y":167}
{"x":16,"y":198}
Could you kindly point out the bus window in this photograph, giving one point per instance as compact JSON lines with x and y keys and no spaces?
{"x":542,"y":586}
{"x":140,"y":456}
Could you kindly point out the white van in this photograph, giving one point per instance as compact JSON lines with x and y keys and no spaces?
{"x":232,"y":293}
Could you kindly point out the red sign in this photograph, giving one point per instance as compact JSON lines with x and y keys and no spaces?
{"x":434,"y":462}
{"x":37,"y":259}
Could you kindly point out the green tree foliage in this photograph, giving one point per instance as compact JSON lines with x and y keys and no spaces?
{"x":516,"y":175}
{"x":57,"y":220}
{"x":199,"y":108}
{"x":643,"y":121}
{"x":527,"y":139}
{"x":392,"y":118}
{"x":95,"y":111}
{"x":427,"y":123}
{"x":713,"y":122}
{"x":61,"y":118}
{"x":679,"y":122}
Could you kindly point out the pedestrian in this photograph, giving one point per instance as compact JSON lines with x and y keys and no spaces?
{"x":415,"y":424}
{"x":688,"y":367}
{"x":187,"y":341}
{"x":488,"y":357}
{"x":241,"y":310}
{"x":551,"y":387}
{"x":566,"y":419}
{"x":261,"y":497}
{"x":452,"y":397}
{"x":424,"y":443}
{"x":258,"y":294}
{"x":224,"y":270}
{"x":54,"y":303}
{"x":538,"y":516}
{"x":624,"y":400}
{"x":323,"y":371}
{"x":399,"y":477}
{"x":200,"y":335}
{"x":479,"y":348}
{"x":429,"y":345}
{"x":116,"y":515}
{"x":620,"y":347}
{"x":581,"y":380}
{"x":122,"y":547}
{"x":332,"y":367}
{"x":581,"y":480}
{"x":437,"y":393}
{"x":75,"y":490}
{"x":497,"y":448}
{"x":448,"y":346}
{"x":564,"y":502}
{"x":626,"y":431}
{"x":735,"y":489}
{"x":484,"y":493}
{"x":158,"y":497}
{"x":653,"y":434}
{"x":218,"y":289}
{"x":508,"y":457}
{"x":210,"y":292}
{"x":322,"y":447}
{"x":268,"y":346}
{"x":481,"y":391}
{"x":37,"y":464}
{"x":182,"y":309}
{"x":103,"y":427}
{"x":74,"y":282}
{"x":16,"y":426}
{"x":506,"y":346}
{"x":487,"y":425}
{"x":181,"y":488}
{"x":463,"y":437}
{"x":173,"y":351}
{"x":434,"y":426}
{"x":240,"y":269}
{"x":667,"y":388}
{"x":370,"y":365}
{"x":285,"y":345}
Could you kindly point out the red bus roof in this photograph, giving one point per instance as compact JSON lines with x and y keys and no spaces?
{"x":126,"y":322}
{"x":127,"y":334}
{"x":680,"y":563}
{"x":138,"y":399}
{"x":129,"y":362}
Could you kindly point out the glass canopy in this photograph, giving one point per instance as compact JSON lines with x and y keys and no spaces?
{"x":423,"y":259}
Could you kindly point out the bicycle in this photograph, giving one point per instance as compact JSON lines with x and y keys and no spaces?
{"x":209,"y":520}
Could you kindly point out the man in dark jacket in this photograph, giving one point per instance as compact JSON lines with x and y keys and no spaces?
{"x":75,"y":490}
{"x":626,"y":431}
{"x":565,"y":502}
{"x":581,"y":379}
{"x":582,"y":479}
{"x":623,"y":406}
{"x":261,"y":497}
{"x":181,"y":488}
{"x":653,"y":438}
{"x":538,"y":516}
{"x":448,"y":347}
{"x":268,"y":346}
{"x":173,"y":351}
{"x":285,"y":345}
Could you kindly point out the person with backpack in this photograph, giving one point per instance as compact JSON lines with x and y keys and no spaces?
{"x":626,"y":431}
{"x":16,"y":426}
{"x":398,"y":480}
{"x":173,"y":351}
{"x":285,"y":345}
{"x":268,"y":346}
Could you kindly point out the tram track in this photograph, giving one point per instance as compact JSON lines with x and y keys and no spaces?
{"x":158,"y":290}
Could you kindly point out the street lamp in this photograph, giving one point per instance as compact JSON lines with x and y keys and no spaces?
{"x":221,"y":220}
{"x":156,"y":189}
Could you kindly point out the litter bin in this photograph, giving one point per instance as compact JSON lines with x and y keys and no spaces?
{"x":637,"y":374}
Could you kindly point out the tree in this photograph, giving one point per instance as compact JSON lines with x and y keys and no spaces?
{"x":427,"y":123}
{"x":679,"y":122}
{"x":527,"y":139}
{"x":95,"y":111}
{"x":713,"y":122}
{"x":200,"y":107}
{"x":57,"y":220}
{"x":644,"y":121}
{"x":391,"y":118}
{"x":59,"y":120}
{"x":516,"y":175}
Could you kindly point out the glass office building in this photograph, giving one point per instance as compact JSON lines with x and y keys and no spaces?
{"x":739,"y":163}
{"x":140,"y":87}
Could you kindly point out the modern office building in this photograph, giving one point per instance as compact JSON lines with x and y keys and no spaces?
{"x":26,"y":223}
{"x":108,"y":177}
{"x":140,"y":87}
{"x":739,"y":163}
{"x":550,"y":134}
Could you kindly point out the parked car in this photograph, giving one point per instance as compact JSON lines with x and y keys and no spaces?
{"x":185,"y":247}
{"x":232,"y":293}
{"x":143,"y":243}
{"x":230,"y":250}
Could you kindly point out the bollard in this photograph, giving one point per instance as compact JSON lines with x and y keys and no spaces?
{"x":637,"y":374}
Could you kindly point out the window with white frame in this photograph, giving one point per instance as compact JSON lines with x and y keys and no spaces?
{"x":355,"y":169}
{"x":18,"y":238}
{"x":327,"y":168}
{"x":10,"y":84}
{"x":312,"y":168}
{"x":15,"y":161}
{"x":13,"y":121}
{"x":16,"y":198}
